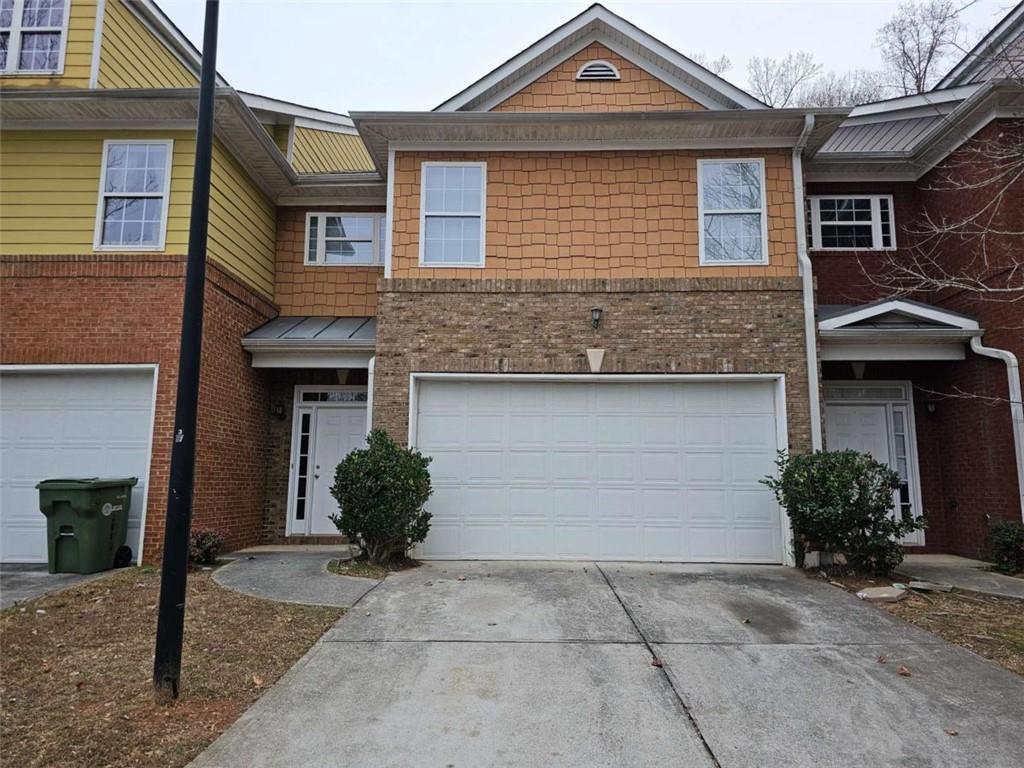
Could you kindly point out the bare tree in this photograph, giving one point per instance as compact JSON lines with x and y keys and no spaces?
{"x":777,"y":82}
{"x":846,"y":89}
{"x":718,"y":66}
{"x":919,"y":41}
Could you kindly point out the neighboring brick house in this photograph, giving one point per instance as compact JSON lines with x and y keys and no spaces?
{"x":584,"y":285}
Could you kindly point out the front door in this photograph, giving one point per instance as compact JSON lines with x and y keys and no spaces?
{"x":324,"y":434}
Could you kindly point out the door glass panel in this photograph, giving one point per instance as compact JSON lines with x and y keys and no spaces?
{"x":303,"y":462}
{"x":900,"y":442}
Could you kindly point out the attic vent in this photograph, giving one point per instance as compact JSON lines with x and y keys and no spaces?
{"x":598,"y":70}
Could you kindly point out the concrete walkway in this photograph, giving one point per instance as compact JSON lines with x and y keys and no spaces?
{"x":25,"y":581}
{"x":293,"y":575}
{"x":584,"y":664}
{"x":961,"y":572}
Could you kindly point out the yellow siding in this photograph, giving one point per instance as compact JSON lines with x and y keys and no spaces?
{"x":77,"y":56}
{"x":280,"y":136}
{"x":132,"y":57}
{"x":316,"y":151}
{"x":49,"y":192}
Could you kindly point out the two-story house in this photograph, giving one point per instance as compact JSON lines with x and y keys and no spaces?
{"x":601,"y":286}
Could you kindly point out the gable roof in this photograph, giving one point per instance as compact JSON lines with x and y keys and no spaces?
{"x":598,"y":24}
{"x":895,"y":315}
{"x":1000,"y":53}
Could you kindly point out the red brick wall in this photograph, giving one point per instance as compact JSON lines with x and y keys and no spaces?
{"x":107,"y":309}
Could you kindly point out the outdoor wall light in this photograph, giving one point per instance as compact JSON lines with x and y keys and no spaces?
{"x":278,"y":410}
{"x":595,"y":317}
{"x":931,"y":406}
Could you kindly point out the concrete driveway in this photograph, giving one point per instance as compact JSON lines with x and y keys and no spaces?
{"x":549,"y":664}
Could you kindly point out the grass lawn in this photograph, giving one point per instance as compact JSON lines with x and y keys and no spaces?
{"x":76,"y":669}
{"x":989,"y":626}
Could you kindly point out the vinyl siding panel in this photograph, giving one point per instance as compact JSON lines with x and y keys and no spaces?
{"x":327,"y":151}
{"x":77,"y":54}
{"x":132,"y":57}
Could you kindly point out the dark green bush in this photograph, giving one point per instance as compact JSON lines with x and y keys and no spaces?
{"x":1007,"y":541}
{"x":842,"y":502}
{"x":381,"y":490}
{"x":205,"y":546}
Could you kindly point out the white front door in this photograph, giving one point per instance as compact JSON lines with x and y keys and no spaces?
{"x":325,"y":431}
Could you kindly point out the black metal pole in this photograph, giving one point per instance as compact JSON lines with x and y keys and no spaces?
{"x":174,"y":576}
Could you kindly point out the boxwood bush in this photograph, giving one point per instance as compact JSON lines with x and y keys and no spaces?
{"x":842,"y":502}
{"x":381,"y":490}
{"x":1007,"y":541}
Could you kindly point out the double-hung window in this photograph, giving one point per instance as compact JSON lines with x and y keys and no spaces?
{"x":32,"y":35}
{"x":852,"y":222}
{"x":452,"y":204}
{"x":134,"y":188}
{"x":344,"y":238}
{"x":731,"y":202}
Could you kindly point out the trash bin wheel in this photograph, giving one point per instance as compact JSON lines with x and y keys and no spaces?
{"x":123,"y":557}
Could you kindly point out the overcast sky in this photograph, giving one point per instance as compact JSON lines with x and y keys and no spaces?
{"x":343,"y":55}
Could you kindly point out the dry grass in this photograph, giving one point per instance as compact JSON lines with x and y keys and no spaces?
{"x":367,"y":570}
{"x":75,"y":681}
{"x":989,"y":626}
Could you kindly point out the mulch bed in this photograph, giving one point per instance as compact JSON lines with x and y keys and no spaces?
{"x":366,"y":570}
{"x":989,"y":626}
{"x":76,"y":670}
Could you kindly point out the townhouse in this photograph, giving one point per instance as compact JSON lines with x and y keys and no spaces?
{"x":601,"y":286}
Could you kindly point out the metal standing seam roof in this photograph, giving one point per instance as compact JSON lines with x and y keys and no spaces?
{"x":340,"y":331}
{"x":891,"y":136}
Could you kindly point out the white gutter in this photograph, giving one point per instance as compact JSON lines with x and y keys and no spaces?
{"x":1016,"y":406}
{"x":810,"y":325}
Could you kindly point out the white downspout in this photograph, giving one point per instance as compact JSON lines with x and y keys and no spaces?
{"x":1016,"y":406}
{"x":810,"y":324}
{"x":369,"y":393}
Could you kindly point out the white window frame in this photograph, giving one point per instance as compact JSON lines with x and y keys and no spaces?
{"x":876,"y":222}
{"x":14,"y":43}
{"x":482,"y":214}
{"x":701,"y":212}
{"x":321,"y":239}
{"x":165,"y":194}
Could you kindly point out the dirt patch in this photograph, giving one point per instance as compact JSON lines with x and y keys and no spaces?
{"x":76,"y":668}
{"x":989,"y":626}
{"x":367,"y":570}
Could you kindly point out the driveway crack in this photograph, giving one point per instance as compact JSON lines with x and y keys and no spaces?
{"x":661,"y":668}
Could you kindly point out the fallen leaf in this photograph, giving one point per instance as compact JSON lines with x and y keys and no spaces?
{"x":257,"y":681}
{"x":461,"y":578}
{"x":656,"y":662}
{"x":903,"y":671}
{"x":952,"y":732}
{"x":745,"y":621}
{"x":883,"y":659}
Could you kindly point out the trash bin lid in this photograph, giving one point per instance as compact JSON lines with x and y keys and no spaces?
{"x":79,"y":483}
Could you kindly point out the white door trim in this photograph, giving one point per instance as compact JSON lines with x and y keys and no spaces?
{"x":154,"y":368}
{"x":907,"y":406}
{"x":781,"y":427}
{"x":297,"y":407}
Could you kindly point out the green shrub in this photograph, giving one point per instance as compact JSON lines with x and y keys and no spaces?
{"x":1007,"y":540}
{"x":205,"y":546}
{"x":381,"y":490}
{"x":842,"y":502}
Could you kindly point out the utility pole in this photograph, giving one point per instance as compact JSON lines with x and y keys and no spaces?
{"x":174,"y":576}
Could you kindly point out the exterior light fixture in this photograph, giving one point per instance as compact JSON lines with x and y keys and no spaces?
{"x":278,"y":411}
{"x":931,"y":406}
{"x":595,"y":317}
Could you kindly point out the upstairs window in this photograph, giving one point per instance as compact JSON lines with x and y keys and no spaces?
{"x":598,"y":70}
{"x":452,"y":204}
{"x":733,"y":220}
{"x":852,"y":223}
{"x":354,"y":239}
{"x":32,"y":36}
{"x":134,"y":186}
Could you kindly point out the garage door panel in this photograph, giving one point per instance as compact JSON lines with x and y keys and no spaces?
{"x":660,"y":466}
{"x":570,"y":465}
{"x":754,"y":430}
{"x":755,"y":543}
{"x":483,"y":466}
{"x":703,"y":431}
{"x":706,"y":504}
{"x":528,"y":539}
{"x":703,"y":467}
{"x":664,"y":543}
{"x":569,"y":430}
{"x":617,"y":466}
{"x":484,"y":539}
{"x":529,"y":430}
{"x":751,"y":468}
{"x":575,"y":541}
{"x":525,"y":466}
{"x":578,"y":502}
{"x":710,"y":543}
{"x":530,"y":502}
{"x":662,"y":504}
{"x":619,"y":542}
{"x":753,"y":505}
{"x":618,"y":504}
{"x":659,"y":431}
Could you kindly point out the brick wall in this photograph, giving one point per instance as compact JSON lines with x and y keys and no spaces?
{"x":106,"y":309}
{"x":714,"y":325}
{"x":560,"y":91}
{"x":333,"y":291}
{"x":593,"y":215}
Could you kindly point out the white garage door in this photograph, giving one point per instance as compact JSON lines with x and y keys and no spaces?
{"x":76,"y":424}
{"x":577,"y":470}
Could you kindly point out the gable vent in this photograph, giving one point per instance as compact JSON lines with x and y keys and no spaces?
{"x":598,"y":70}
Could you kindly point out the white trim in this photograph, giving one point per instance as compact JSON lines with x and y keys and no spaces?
{"x":312,"y":114}
{"x":762,"y":212}
{"x":597,"y":63}
{"x":931,"y":98}
{"x":97,"y":43}
{"x":164,"y":195}
{"x":154,"y":368}
{"x":377,"y":247}
{"x":482,"y":214}
{"x":296,"y":355}
{"x":875,"y":224}
{"x":389,"y":213}
{"x":16,"y":31}
{"x":326,"y":126}
{"x":878,"y":349}
{"x":595,"y":145}
{"x":290,"y":146}
{"x":933,"y":314}
{"x":370,"y":366}
{"x":781,"y":423}
{"x":297,"y":407}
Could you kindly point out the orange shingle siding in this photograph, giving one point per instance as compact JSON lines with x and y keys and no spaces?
{"x":322,"y":291}
{"x":559,"y":91}
{"x":594,"y":215}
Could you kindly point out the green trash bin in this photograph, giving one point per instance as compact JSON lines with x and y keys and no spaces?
{"x":86,"y":522}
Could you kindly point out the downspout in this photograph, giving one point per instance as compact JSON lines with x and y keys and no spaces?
{"x":806,"y":274}
{"x":1016,"y":406}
